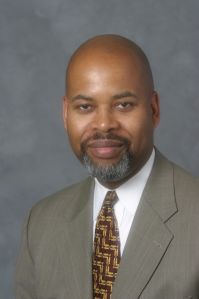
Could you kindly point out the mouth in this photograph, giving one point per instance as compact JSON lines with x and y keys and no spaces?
{"x":105,"y":148}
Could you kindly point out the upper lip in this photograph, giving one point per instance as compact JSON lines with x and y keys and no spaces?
{"x":100,"y":143}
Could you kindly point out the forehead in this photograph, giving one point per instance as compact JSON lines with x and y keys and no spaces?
{"x":97,"y":57}
{"x":97,"y":67}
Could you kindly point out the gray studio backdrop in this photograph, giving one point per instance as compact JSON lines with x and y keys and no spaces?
{"x":36,"y":39}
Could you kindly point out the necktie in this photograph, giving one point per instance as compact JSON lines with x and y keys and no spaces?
{"x":106,"y":257}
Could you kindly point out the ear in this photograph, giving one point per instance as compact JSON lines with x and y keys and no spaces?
{"x":64,"y":110}
{"x":155,"y":108}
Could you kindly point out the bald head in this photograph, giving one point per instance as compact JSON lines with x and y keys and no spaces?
{"x":110,"y":109}
{"x":110,"y":49}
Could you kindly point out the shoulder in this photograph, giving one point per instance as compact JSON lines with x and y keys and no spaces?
{"x":186,"y":185}
{"x":62,"y":203}
{"x":51,"y":215}
{"x":183,"y":181}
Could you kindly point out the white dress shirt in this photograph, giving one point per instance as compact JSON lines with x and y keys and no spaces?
{"x":129,"y":195}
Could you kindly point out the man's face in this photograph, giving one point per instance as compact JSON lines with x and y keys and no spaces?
{"x":110,"y":115}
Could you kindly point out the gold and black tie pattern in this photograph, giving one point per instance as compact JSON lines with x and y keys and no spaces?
{"x":106,"y":257}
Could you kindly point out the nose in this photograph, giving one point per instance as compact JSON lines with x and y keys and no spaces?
{"x":105,"y":121}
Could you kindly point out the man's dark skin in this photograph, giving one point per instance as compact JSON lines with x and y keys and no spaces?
{"x":110,"y":92}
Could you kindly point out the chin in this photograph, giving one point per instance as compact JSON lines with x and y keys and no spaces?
{"x":109,"y":172}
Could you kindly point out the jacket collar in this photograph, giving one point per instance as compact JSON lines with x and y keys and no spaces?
{"x":147,"y":242}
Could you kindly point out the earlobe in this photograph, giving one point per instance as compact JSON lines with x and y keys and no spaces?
{"x":155,"y":107}
{"x":64,"y":110}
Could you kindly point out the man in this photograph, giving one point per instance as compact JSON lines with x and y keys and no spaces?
{"x":131,"y":229}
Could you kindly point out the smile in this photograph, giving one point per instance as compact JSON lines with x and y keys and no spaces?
{"x":105,"y":149}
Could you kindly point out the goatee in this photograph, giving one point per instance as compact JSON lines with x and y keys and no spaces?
{"x":109,"y":173}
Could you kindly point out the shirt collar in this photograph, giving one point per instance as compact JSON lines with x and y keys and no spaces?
{"x":131,"y":189}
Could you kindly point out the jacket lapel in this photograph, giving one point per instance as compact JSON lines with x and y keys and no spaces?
{"x":149,"y":237}
{"x":78,"y":236}
{"x":147,"y":243}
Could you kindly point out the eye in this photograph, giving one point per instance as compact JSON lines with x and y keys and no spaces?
{"x":84,"y":108}
{"x":124,"y":106}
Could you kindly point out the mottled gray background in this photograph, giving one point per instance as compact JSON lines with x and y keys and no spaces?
{"x":36,"y":39}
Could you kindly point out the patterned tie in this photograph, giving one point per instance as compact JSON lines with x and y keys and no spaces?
{"x":106,"y":257}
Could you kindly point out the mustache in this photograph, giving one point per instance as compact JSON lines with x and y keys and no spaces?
{"x":107,"y":136}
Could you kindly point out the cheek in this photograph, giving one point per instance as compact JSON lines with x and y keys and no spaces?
{"x":76,"y":130}
{"x":74,"y":133}
{"x":140,"y":130}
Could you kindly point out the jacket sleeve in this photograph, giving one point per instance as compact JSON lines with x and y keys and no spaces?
{"x":25,"y":276}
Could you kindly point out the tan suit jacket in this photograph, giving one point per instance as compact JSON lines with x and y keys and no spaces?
{"x":161,"y":256}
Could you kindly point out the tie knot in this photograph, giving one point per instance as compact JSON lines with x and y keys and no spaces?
{"x":110,"y":199}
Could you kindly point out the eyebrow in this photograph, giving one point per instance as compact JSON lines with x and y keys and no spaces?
{"x":81,"y":97}
{"x":124,"y":94}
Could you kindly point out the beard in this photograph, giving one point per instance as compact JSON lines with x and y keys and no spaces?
{"x":111,"y":172}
